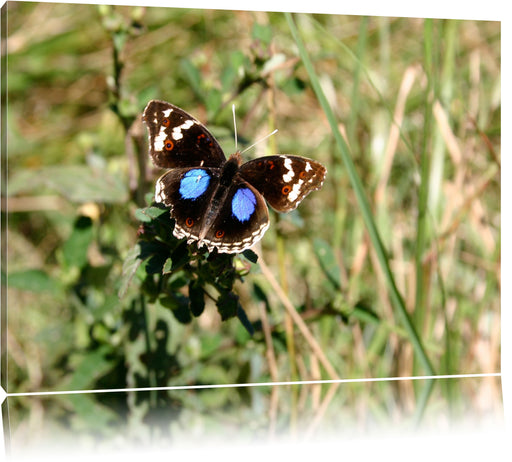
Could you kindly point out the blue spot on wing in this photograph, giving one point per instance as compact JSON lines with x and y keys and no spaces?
{"x":243,"y":204}
{"x":194,"y":183}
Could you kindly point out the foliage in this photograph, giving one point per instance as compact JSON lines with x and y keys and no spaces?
{"x":171,"y":265}
{"x":393,"y":266}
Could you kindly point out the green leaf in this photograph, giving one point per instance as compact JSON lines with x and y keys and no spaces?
{"x":108,"y":306}
{"x":75,"y":248}
{"x":155,"y":264}
{"x":210,"y":343}
{"x":250,"y":255}
{"x":149,"y":248}
{"x":196,"y":298}
{"x":77,"y":183}
{"x":155,"y":212}
{"x":262,"y":32}
{"x":179,"y":305}
{"x":91,"y":365}
{"x":292,"y":86}
{"x":180,"y":256}
{"x":242,"y":316}
{"x":33,"y":280}
{"x":167,"y":266}
{"x":140,"y":214}
{"x":177,"y":281}
{"x":193,"y":75}
{"x":227,"y":304}
{"x":147,"y":214}
{"x":213,"y":102}
{"x":119,"y":39}
{"x":326,"y":257}
{"x":365,"y":314}
{"x":228,"y":78}
{"x":130,"y":265}
{"x":87,"y":414}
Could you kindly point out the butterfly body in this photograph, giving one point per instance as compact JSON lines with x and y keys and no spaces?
{"x":216,"y":201}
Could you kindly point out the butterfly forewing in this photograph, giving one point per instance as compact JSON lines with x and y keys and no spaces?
{"x":187,"y":191}
{"x":176,"y":139}
{"x":284,"y":180}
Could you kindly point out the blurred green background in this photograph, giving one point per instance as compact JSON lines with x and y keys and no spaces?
{"x":418,"y":104}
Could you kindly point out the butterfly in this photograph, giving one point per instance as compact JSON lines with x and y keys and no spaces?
{"x":219,"y":202}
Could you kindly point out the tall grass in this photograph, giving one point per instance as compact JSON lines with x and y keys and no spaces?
{"x":392,"y":269}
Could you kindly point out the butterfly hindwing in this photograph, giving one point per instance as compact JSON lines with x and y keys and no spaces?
{"x":230,"y":218}
{"x":176,"y":139}
{"x":241,"y":221}
{"x":284,"y":180}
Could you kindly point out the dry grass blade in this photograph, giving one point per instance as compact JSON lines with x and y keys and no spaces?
{"x":270,"y":353}
{"x":408,"y":79}
{"x":317,"y":350}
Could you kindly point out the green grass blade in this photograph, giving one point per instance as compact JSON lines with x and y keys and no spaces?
{"x":356,"y":90}
{"x":421,"y":226}
{"x":363,"y":203}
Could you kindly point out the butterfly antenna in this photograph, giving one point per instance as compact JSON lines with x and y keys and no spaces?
{"x":260,"y":140}
{"x":234,"y":125}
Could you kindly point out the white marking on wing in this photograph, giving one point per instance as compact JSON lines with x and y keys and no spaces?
{"x":158,"y":144}
{"x":236,"y":247}
{"x":159,"y":195}
{"x":294,"y":193}
{"x":176,"y":131}
{"x":287,"y":177}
